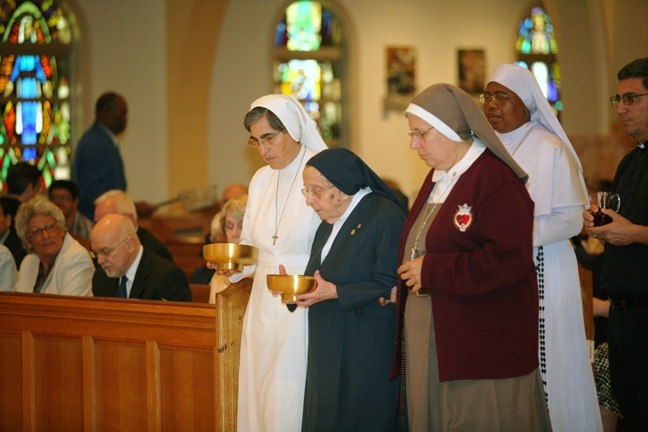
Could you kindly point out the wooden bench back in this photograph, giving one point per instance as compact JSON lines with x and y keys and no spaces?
{"x":94,"y":364}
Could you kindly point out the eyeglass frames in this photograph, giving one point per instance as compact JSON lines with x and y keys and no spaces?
{"x":316,"y":191}
{"x":499,"y":98}
{"x":39,"y":231}
{"x":628,"y":99}
{"x":419,"y":134}
{"x":267,"y":140}
{"x":105,"y":252}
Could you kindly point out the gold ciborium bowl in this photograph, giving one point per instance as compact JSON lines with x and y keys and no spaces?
{"x":230,"y":256}
{"x":290,"y":285}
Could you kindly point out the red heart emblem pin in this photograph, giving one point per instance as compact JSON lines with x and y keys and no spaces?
{"x":463,"y":219}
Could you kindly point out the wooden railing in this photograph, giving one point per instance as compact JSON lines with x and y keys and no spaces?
{"x":91,"y":364}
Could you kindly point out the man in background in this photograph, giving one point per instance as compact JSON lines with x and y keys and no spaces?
{"x":625,"y":274}
{"x":97,"y":165}
{"x":65,"y":195}
{"x":23,"y":181}
{"x":8,"y":236}
{"x":117,"y":201}
{"x":234,"y":190}
{"x":129,"y":270}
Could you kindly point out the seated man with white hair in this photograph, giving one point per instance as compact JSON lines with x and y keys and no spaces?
{"x":129,"y":270}
{"x":117,"y":201}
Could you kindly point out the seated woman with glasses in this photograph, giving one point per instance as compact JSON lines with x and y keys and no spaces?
{"x":56,"y":263}
{"x":527,"y":126}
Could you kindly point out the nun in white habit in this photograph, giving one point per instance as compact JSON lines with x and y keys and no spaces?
{"x":527,"y":126}
{"x":274,"y":344}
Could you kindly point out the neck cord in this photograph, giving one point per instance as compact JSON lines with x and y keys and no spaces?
{"x":278,"y":222}
{"x":415,"y":250}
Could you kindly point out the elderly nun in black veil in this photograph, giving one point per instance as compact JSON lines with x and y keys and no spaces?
{"x":354,"y":260}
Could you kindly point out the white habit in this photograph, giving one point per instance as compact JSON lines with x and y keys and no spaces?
{"x":555,"y":185}
{"x":274,"y":345}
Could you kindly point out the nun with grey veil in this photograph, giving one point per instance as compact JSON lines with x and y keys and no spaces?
{"x":467,"y":299}
{"x":351,"y":336}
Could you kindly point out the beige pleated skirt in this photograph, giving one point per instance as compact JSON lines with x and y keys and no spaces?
{"x":513,"y":404}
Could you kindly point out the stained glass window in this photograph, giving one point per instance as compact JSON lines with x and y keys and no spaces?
{"x":35,"y":49}
{"x":537,"y":51}
{"x":309,"y":65}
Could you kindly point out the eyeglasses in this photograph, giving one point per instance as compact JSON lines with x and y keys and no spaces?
{"x":105,"y":252}
{"x":419,"y":134}
{"x":499,"y":98}
{"x":315,"y":191}
{"x":265,"y":141}
{"x":38,"y":232}
{"x":60,"y":198}
{"x":628,"y":99}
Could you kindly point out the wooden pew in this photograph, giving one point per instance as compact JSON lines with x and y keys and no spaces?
{"x":98,"y":364}
{"x":199,"y":293}
{"x":183,"y":235}
{"x":186,"y":253}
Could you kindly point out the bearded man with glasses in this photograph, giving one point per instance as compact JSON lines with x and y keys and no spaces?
{"x":128,"y":270}
{"x":56,"y":263}
{"x":625,"y":274}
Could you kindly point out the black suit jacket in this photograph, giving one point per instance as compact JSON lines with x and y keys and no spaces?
{"x":150,"y":242}
{"x":155,"y":279}
{"x":14,"y":245}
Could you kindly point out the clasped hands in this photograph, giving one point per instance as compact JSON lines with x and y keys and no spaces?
{"x":619,"y":232}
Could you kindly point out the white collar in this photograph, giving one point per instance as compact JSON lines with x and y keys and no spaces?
{"x":132,"y":270}
{"x":445,"y":180}
{"x":476,"y":149}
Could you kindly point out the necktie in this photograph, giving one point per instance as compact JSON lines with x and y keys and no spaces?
{"x":121,"y":292}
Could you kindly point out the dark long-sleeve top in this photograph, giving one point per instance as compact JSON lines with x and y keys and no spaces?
{"x":97,"y":167}
{"x":482,"y":281}
{"x":625,"y":271}
{"x":351,"y":337}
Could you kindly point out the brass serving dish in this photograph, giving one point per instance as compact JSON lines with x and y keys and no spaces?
{"x":290,"y":285}
{"x":230,"y":256}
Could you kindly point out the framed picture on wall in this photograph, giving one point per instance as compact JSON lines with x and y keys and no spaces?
{"x":401,"y":76}
{"x":472,"y":70}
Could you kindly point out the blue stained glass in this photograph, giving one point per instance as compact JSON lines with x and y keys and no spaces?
{"x":315,"y":82}
{"x":35,"y":110}
{"x":536,"y":34}
{"x":536,"y":37}
{"x":301,"y":79}
{"x":303,"y":25}
{"x":552,"y":94}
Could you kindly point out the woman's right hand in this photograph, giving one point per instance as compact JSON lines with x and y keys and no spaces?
{"x":282,"y":271}
{"x":410,"y":272}
{"x":226,"y":273}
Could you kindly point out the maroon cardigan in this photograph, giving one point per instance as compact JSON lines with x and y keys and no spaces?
{"x":482,"y":281}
